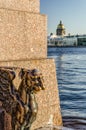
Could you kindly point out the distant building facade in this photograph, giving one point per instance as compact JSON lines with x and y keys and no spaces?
{"x":60,"y":39}
{"x":72,"y":40}
{"x":81,"y":39}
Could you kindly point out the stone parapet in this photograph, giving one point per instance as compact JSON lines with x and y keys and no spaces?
{"x":48,"y":100}
{"x":22,"y":5}
{"x":22,"y":35}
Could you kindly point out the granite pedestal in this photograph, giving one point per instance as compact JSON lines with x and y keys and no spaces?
{"x":23,"y":44}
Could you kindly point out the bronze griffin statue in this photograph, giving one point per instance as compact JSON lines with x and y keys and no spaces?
{"x":20,"y":103}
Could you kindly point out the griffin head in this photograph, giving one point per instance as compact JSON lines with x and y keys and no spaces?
{"x":33,"y":79}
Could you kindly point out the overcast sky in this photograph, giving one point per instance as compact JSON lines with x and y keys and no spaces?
{"x":71,"y":12}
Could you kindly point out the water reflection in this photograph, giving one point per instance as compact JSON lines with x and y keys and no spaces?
{"x":71,"y":75}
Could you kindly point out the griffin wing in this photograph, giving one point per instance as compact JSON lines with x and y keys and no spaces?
{"x":6,"y":86}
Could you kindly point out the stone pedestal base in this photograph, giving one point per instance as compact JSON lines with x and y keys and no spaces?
{"x":48,"y":100}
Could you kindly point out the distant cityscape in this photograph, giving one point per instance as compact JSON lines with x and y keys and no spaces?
{"x":61,"y":39}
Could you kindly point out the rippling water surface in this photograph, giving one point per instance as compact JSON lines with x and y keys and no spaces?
{"x":71,"y":75}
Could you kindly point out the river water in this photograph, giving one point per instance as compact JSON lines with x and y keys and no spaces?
{"x":71,"y":76}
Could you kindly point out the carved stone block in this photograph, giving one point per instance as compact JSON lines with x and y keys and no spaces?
{"x":19,"y":103}
{"x":47,"y":100}
{"x":22,"y":35}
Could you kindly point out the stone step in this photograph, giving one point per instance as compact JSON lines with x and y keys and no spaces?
{"x":22,"y":5}
{"x":52,"y":127}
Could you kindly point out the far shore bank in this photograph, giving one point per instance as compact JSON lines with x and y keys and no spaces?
{"x":65,"y":46}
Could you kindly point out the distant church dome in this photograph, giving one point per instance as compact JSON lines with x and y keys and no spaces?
{"x":60,"y":25}
{"x":60,"y":29}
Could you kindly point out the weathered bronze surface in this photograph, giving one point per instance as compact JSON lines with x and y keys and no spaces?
{"x":20,"y":103}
